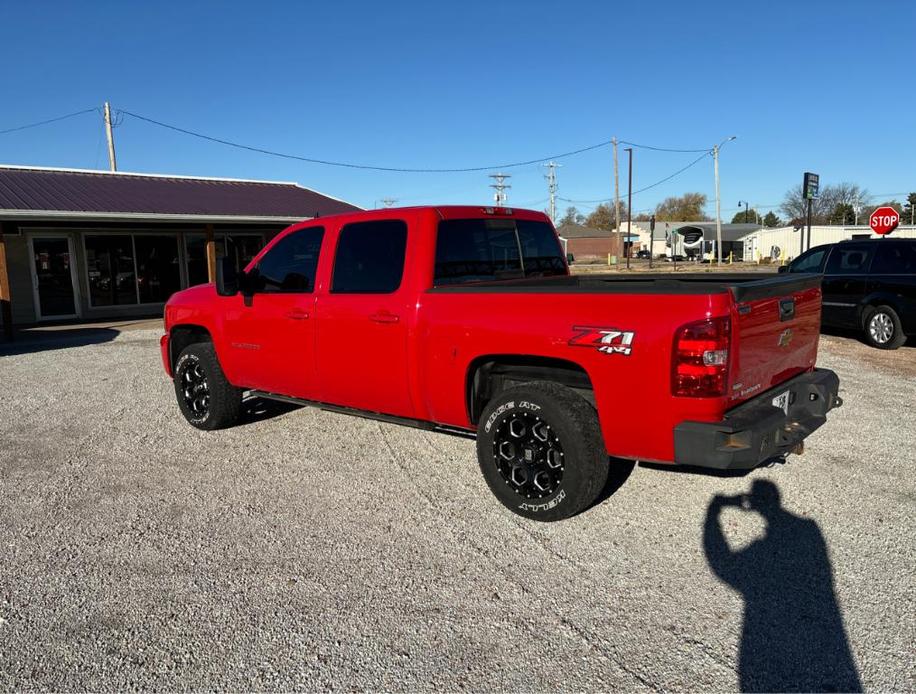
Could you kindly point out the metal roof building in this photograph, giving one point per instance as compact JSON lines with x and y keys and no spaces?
{"x":89,"y":244}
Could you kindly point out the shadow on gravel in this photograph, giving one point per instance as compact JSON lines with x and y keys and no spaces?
{"x":793,"y":638}
{"x":255,"y":409}
{"x":45,"y":340}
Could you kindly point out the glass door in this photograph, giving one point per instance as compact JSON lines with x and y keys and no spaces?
{"x":53,"y":277}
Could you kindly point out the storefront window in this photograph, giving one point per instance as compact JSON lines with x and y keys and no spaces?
{"x":241,"y":247}
{"x":110,"y":266}
{"x":158,"y":275}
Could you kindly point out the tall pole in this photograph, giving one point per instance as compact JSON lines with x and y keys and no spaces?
{"x":112,"y":161}
{"x":715,"y":156}
{"x":616,"y":190}
{"x":626,"y":250}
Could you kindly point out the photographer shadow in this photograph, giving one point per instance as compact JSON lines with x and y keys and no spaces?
{"x":793,"y":637}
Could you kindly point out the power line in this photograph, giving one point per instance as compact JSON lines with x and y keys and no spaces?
{"x":664,"y":149}
{"x":350,"y":165}
{"x":649,"y":187}
{"x":394,"y":169}
{"x":50,"y":120}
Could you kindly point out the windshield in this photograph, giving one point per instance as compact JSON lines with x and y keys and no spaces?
{"x":474,"y":250}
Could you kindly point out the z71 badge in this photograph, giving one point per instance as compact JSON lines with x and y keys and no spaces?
{"x":607,"y":340}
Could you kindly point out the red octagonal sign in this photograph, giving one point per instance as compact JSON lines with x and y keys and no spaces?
{"x":884,"y":220}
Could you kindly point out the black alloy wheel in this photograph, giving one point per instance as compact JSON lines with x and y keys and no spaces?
{"x":528,"y":455}
{"x":194,"y":387}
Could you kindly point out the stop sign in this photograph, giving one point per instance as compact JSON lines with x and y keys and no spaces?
{"x":884,"y":220}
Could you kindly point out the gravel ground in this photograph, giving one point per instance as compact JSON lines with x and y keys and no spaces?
{"x":312,"y":550}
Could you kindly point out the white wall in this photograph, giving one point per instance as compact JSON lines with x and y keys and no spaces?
{"x":759,"y":243}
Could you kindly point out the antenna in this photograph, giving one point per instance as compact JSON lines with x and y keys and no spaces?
{"x":500,"y":196}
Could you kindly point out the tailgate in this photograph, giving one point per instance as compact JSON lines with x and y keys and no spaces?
{"x":776,"y":325}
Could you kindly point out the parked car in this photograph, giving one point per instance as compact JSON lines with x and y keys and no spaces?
{"x":465,"y":320}
{"x":869,"y":285}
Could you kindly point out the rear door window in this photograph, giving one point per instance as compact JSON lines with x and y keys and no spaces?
{"x":474,"y":250}
{"x":894,"y":259}
{"x":370,"y":257}
{"x":849,"y":259}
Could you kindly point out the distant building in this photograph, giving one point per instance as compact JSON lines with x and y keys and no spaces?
{"x":587,"y":243}
{"x":80,"y":244}
{"x":784,"y":243}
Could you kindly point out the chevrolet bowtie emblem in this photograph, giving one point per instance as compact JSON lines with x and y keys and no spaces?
{"x":785,"y":337}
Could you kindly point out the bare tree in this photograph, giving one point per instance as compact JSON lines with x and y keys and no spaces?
{"x":832,"y":203}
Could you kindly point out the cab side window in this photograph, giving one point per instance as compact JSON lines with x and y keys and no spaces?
{"x":849,"y":260}
{"x":290,"y":265}
{"x":370,"y":257}
{"x":811,"y":262}
{"x":895,"y":259}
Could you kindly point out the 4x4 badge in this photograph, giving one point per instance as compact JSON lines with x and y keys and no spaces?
{"x":607,"y":340}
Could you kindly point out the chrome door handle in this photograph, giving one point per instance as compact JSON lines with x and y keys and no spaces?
{"x":297,"y":315}
{"x":384,"y":318}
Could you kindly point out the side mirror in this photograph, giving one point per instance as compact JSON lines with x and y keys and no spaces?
{"x":570,"y":258}
{"x":227,"y":277}
{"x":782,"y":268}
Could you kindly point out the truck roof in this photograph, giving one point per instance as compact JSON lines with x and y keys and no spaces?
{"x":446,"y":212}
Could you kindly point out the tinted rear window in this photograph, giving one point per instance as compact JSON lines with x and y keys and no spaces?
{"x":848,"y":260}
{"x":894,"y":258}
{"x":370,"y":257}
{"x":474,"y":250}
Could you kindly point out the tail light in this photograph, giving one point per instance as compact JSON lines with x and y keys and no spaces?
{"x":699,"y":363}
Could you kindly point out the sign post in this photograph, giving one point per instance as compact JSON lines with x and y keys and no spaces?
{"x":884,"y":220}
{"x":809,"y":187}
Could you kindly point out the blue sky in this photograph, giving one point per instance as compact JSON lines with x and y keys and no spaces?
{"x":465,"y":84}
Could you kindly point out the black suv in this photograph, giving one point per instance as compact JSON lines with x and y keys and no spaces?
{"x":869,"y":285}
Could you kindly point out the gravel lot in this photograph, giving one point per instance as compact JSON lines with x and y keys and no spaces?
{"x":305,"y":549}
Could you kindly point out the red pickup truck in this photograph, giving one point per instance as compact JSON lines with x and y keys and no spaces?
{"x":466,"y":320}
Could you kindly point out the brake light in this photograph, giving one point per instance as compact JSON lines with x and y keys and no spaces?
{"x":699,"y":362}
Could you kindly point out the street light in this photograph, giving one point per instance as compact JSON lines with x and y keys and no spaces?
{"x":745,"y":203}
{"x":715,"y":157}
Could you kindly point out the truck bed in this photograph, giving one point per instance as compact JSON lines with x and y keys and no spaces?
{"x":743,"y":286}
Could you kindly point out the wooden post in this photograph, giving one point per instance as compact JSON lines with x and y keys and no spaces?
{"x":211,"y":254}
{"x":6,"y":302}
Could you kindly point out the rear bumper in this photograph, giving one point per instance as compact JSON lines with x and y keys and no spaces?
{"x":164,"y":350}
{"x":756,"y":430}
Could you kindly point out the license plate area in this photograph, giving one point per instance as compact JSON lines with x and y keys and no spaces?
{"x":782,"y":402}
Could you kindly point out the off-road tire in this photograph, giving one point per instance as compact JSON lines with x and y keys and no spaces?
{"x":569,"y":425}
{"x":210,"y":403}
{"x":876,"y":321}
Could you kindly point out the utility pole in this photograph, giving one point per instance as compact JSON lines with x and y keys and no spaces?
{"x":626,"y":250}
{"x":500,"y":196}
{"x":715,"y":156}
{"x":112,"y":161}
{"x":552,"y":188}
{"x":616,"y":190}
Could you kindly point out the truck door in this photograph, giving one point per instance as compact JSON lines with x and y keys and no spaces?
{"x":271,"y":330}
{"x":845,"y":280}
{"x":363,"y":320}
